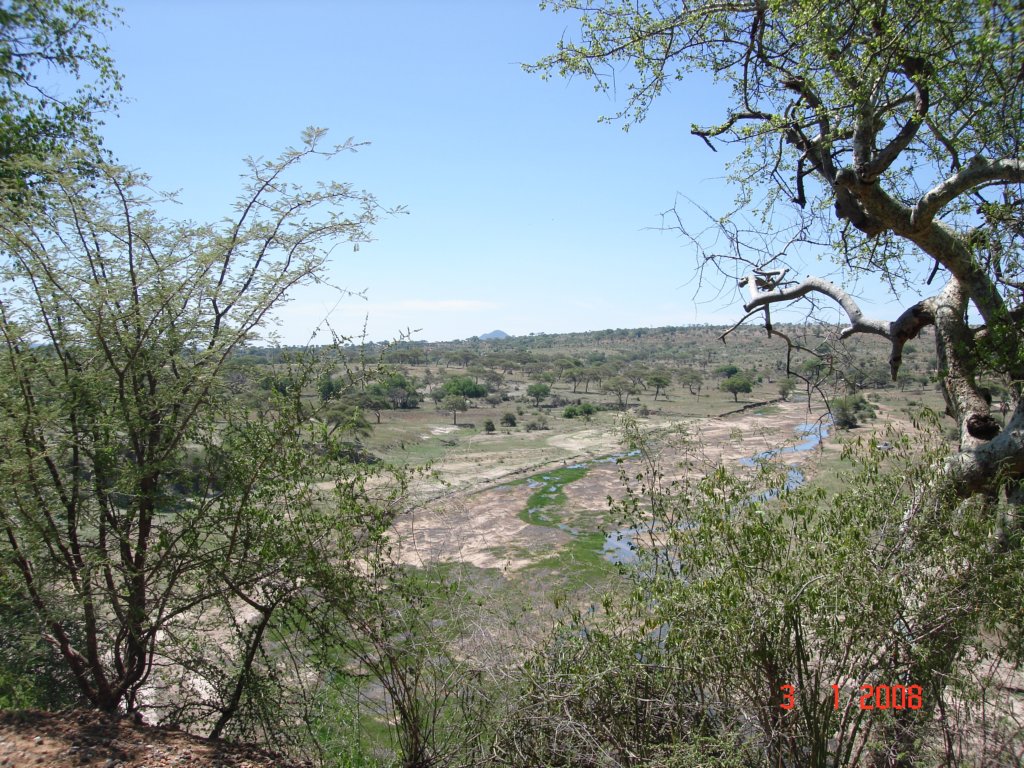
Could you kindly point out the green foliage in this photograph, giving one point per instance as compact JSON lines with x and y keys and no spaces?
{"x":463,"y":386}
{"x":691,"y":379}
{"x":328,"y":389}
{"x":660,"y":380}
{"x":398,"y":390}
{"x":622,"y":388}
{"x":32,"y":675}
{"x":455,"y":404}
{"x":786,"y":387}
{"x":737,"y":383}
{"x":586,"y":410}
{"x":489,"y":426}
{"x":370,"y":399}
{"x":41,"y":39}
{"x":140,"y":499}
{"x":538,"y":392}
{"x":737,"y":593}
{"x":508,"y":419}
{"x":391,"y":652}
{"x":726,"y":371}
{"x":849,"y":411}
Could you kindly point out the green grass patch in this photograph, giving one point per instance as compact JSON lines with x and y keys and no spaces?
{"x":579,"y":564}
{"x":549,"y":496}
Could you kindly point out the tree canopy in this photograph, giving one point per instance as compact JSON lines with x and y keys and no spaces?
{"x":47,"y":48}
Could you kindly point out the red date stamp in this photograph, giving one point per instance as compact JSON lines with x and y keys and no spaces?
{"x":871,"y":696}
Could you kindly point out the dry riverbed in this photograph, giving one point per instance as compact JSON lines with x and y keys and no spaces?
{"x":478,"y":519}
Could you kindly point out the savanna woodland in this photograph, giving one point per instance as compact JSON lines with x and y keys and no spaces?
{"x":202,"y":530}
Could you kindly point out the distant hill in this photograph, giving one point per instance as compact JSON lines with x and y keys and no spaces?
{"x":495,"y":335}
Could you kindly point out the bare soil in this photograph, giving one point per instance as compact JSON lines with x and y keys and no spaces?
{"x":87,"y":738}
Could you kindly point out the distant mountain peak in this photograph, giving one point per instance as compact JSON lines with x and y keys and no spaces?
{"x":495,"y":335}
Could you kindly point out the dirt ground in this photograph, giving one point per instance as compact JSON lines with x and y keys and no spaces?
{"x":86,"y":738}
{"x":478,"y":522}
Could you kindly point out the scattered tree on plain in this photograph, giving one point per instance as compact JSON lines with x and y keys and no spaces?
{"x":736,"y":384}
{"x":538,"y":392}
{"x":659,"y":380}
{"x":455,"y":404}
{"x":622,"y":388}
{"x":692,"y":379}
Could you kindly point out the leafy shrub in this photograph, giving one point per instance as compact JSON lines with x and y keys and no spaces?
{"x":508,"y":419}
{"x":538,"y":392}
{"x":464,"y":386}
{"x":849,"y":411}
{"x":743,"y":599}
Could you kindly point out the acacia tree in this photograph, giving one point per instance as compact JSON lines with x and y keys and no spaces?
{"x":737,"y":383}
{"x":136,"y":492}
{"x":622,"y":388}
{"x":538,"y":392}
{"x":890,"y":133}
{"x":454,"y":403}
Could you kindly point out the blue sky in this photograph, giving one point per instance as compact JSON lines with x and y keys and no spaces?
{"x":524,"y":213}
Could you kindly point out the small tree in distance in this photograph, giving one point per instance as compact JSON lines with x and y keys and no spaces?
{"x":736,"y":384}
{"x":622,"y":388}
{"x":786,"y":387}
{"x":455,"y":404}
{"x":538,"y":392}
{"x":660,"y":381}
{"x":727,"y":370}
{"x":692,"y":379}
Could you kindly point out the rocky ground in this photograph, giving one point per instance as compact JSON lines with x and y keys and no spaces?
{"x":85,"y":738}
